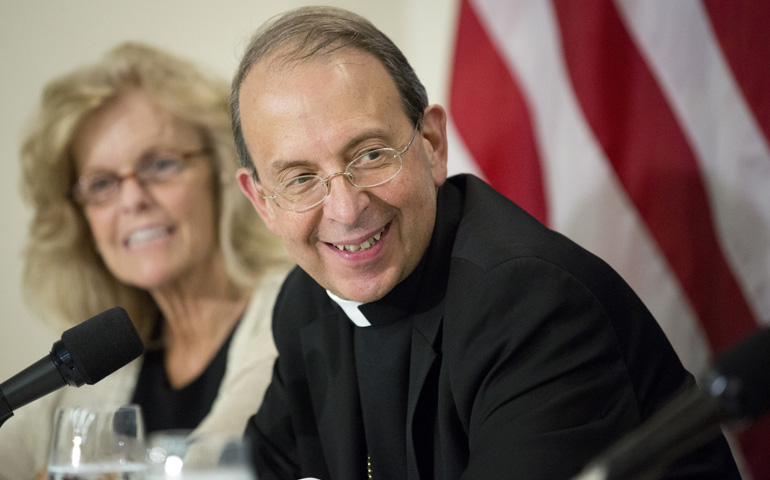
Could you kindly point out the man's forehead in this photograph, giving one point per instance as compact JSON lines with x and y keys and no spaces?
{"x":348,"y":82}
{"x":286,"y":60}
{"x":319,"y":103}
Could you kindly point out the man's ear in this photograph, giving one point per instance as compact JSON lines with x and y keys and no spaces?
{"x":249,"y":188}
{"x":434,"y":131}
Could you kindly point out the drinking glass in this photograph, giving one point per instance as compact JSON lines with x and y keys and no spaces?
{"x":182,"y":455}
{"x":97,"y":443}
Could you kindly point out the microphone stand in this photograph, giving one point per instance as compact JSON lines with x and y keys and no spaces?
{"x":5,"y":410}
{"x":651,"y":448}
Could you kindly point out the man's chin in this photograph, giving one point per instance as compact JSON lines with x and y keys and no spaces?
{"x":358,"y":294}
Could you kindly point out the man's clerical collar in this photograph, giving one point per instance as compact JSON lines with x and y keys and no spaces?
{"x":351,"y":310}
{"x":398,"y":304}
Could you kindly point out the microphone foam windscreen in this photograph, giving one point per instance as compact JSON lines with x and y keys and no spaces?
{"x":102,"y":344}
{"x":749,"y":364}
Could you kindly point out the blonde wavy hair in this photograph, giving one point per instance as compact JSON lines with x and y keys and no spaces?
{"x":65,"y":280}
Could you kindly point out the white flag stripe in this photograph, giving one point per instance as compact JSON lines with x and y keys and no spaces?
{"x":566,"y":146}
{"x":584,"y":197}
{"x":460,"y":161}
{"x":725,"y":136}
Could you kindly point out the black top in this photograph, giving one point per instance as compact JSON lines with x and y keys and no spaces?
{"x":382,"y":362}
{"x":165,"y":407}
{"x":528,"y":357}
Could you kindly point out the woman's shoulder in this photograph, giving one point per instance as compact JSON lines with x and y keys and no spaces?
{"x":272,"y":279}
{"x":263,"y":297}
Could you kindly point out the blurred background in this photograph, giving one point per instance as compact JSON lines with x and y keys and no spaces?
{"x":639,"y":128}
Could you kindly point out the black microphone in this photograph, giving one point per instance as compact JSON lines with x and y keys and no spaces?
{"x":86,"y":353}
{"x":736,"y":392}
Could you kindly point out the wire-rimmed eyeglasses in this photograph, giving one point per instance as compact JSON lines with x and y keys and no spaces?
{"x":101,"y":186}
{"x":371,"y":169}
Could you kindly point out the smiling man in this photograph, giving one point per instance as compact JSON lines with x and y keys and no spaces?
{"x":433,"y":329}
{"x":313,"y":118}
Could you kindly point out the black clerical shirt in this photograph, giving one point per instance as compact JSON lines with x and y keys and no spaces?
{"x":382,"y":354}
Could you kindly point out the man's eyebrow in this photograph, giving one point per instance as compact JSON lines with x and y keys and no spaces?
{"x":280,"y":165}
{"x":364,"y":136}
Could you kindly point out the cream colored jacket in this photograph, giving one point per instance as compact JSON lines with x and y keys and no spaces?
{"x":24,"y":437}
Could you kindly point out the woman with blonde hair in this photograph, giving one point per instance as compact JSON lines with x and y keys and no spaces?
{"x":130,"y":170}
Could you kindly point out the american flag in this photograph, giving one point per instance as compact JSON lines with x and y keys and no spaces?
{"x":638,"y":128}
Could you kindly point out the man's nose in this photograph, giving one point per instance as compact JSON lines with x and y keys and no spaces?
{"x":345,"y":201}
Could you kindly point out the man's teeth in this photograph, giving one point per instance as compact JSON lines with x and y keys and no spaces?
{"x":362,"y":246}
{"x":144,"y":236}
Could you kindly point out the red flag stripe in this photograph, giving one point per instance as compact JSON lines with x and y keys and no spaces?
{"x":654,"y":162}
{"x":652,"y":159}
{"x":585,"y":199}
{"x":755,"y":445}
{"x":505,"y":149}
{"x":679,"y":46}
{"x":741,"y":29}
